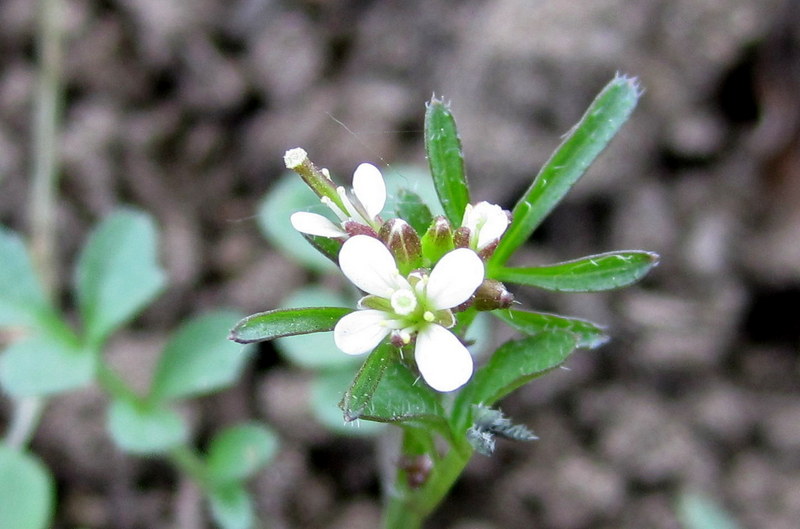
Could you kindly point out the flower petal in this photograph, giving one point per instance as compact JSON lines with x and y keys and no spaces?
{"x":369,"y":188}
{"x":369,"y":265}
{"x":442,"y":359}
{"x":314,"y":224}
{"x":493,"y":223}
{"x":454,"y":278}
{"x":361,"y":331}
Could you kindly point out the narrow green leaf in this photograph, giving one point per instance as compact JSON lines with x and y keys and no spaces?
{"x":413,"y":210}
{"x":583,"y":144}
{"x":400,"y":399}
{"x":316,"y":350}
{"x":238,"y":452}
{"x":39,"y":365}
{"x":26,"y":491}
{"x":327,"y":388}
{"x":446,"y":160}
{"x":232,"y":507}
{"x":286,"y":322}
{"x":605,"y":271}
{"x":514,"y":364}
{"x":142,"y":428}
{"x":588,"y":334}
{"x":118,"y":273}
{"x":199,"y":359}
{"x":326,"y":246}
{"x":358,"y":396}
{"x":21,"y":294}
{"x":697,"y":511}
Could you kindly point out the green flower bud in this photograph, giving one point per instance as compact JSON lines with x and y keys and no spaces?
{"x":438,"y":240}
{"x":491,"y":295}
{"x":403,"y":241}
{"x":461,"y":237}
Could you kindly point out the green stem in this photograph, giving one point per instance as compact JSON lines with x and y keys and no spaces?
{"x":191,"y":464}
{"x":114,"y":384}
{"x":408,"y":508}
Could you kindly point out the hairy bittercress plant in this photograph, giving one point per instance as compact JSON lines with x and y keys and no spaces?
{"x":425,"y":279}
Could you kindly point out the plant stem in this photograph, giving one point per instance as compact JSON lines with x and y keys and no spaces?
{"x":408,"y":509}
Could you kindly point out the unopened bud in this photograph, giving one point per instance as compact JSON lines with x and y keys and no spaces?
{"x":403,"y":241}
{"x":461,"y":237}
{"x":438,"y":240}
{"x":491,"y":295}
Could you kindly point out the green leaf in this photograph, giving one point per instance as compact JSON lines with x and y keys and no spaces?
{"x":26,"y":491}
{"x":588,"y":334}
{"x":232,"y":507}
{"x":142,"y":428}
{"x":413,"y":210}
{"x":316,"y":350}
{"x":583,"y":144}
{"x":696,"y":511}
{"x":359,"y":394}
{"x":286,"y":322}
{"x":446,"y":161}
{"x":39,"y":365}
{"x":400,"y":399}
{"x":327,"y":388}
{"x":289,"y":195}
{"x":22,"y":300}
{"x":605,"y":271}
{"x":199,"y":359}
{"x":514,"y":364}
{"x":118,"y":273}
{"x":238,"y":452}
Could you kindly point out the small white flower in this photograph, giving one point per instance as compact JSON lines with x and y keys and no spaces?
{"x":486,"y":222}
{"x":404,"y":306}
{"x":362,"y":205}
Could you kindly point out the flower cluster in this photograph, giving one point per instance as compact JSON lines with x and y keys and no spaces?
{"x":404,"y":301}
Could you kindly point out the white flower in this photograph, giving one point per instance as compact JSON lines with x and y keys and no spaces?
{"x":419,"y":304}
{"x":362,"y":205}
{"x":486,"y":222}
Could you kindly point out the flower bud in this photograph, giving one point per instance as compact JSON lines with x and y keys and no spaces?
{"x":461,"y":237}
{"x":403,"y":241}
{"x":438,"y":240}
{"x":491,"y":295}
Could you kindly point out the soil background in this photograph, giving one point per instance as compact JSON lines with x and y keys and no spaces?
{"x":184,"y":109}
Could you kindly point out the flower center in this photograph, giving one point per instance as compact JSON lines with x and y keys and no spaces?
{"x":403,"y":301}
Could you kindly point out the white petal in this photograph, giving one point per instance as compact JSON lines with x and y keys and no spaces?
{"x":442,"y":359}
{"x":314,"y":224}
{"x":369,"y":188}
{"x":361,"y":331}
{"x":495,"y":222}
{"x":454,"y":278}
{"x":369,"y":265}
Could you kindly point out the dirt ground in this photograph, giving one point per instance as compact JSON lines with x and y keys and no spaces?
{"x":185,"y":109}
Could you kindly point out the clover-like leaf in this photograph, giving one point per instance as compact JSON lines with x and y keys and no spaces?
{"x":40,"y":365}
{"x":238,"y":452}
{"x":286,"y":322}
{"x":446,"y":160}
{"x":26,"y":491}
{"x":595,"y":273}
{"x":589,"y":335}
{"x":145,"y":428}
{"x":601,"y":122}
{"x":118,"y":273}
{"x":199,"y":359}
{"x":22,"y":299}
{"x":232,"y":507}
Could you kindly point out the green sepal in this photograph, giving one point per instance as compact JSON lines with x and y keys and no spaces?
{"x":413,"y":210}
{"x":286,"y":322}
{"x":595,"y":273}
{"x":238,"y":452}
{"x":438,"y":240}
{"x":358,"y":396}
{"x":446,"y":160}
{"x":513,"y":364}
{"x":400,"y":398}
{"x":27,"y":491}
{"x":589,"y":335}
{"x":605,"y":116}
